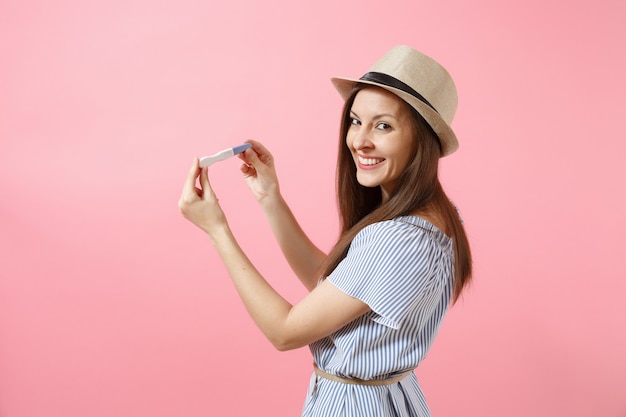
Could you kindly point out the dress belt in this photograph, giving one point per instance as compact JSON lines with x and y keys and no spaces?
{"x":357,"y":381}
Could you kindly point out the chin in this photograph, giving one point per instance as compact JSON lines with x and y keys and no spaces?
{"x":368,"y":183}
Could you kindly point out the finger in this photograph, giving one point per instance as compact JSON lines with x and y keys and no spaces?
{"x":207,"y":191}
{"x":246,"y":169}
{"x":242,"y":156}
{"x":253,"y":159}
{"x":258,"y":158}
{"x":189,"y":193}
{"x":192,"y":175}
{"x":260,"y":150}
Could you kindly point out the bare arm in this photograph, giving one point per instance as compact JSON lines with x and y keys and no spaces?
{"x":323,"y":311}
{"x":302,"y":255}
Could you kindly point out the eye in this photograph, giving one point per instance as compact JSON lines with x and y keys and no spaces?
{"x":383,"y":126}
{"x":355,"y":121}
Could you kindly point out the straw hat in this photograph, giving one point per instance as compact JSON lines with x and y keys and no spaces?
{"x":418,"y":80}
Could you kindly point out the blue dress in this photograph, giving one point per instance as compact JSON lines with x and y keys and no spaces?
{"x":404,"y":270}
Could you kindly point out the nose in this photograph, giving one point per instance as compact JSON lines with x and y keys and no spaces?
{"x":359,"y":139}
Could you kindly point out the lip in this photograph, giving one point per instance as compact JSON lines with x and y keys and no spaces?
{"x":362,"y":165}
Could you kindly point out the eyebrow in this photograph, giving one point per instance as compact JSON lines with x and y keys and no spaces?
{"x":378,"y":116}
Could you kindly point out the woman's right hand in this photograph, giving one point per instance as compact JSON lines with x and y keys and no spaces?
{"x":303,"y":256}
{"x":259,"y":171}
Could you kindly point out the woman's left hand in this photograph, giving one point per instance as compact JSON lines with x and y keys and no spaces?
{"x":324,"y":311}
{"x":200,"y":205}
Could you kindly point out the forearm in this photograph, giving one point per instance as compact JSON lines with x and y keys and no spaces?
{"x":302,"y":255}
{"x":268,"y":309}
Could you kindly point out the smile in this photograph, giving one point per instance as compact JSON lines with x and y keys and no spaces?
{"x":370,"y":161}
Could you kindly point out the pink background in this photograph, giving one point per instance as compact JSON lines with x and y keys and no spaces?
{"x":111,"y":304}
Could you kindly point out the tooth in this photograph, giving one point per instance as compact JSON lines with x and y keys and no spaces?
{"x":369,"y":161}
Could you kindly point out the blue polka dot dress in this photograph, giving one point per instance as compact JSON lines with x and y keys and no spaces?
{"x":403,"y":269}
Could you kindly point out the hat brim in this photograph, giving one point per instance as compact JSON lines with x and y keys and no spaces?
{"x":446,"y":135}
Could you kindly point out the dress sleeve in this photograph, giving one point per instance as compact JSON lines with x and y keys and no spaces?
{"x":390,"y":266}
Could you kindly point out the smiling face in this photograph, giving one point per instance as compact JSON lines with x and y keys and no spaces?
{"x":380,"y":138}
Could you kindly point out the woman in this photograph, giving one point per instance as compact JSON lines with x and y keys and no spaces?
{"x":378,"y":298}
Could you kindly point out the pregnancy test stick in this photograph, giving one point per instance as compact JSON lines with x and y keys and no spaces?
{"x":205,"y":161}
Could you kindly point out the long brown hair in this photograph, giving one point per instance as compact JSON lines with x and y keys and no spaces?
{"x":418,"y":188}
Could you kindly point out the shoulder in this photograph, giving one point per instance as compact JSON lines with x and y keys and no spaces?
{"x":402,"y":225}
{"x":400,"y":231}
{"x":387,"y":230}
